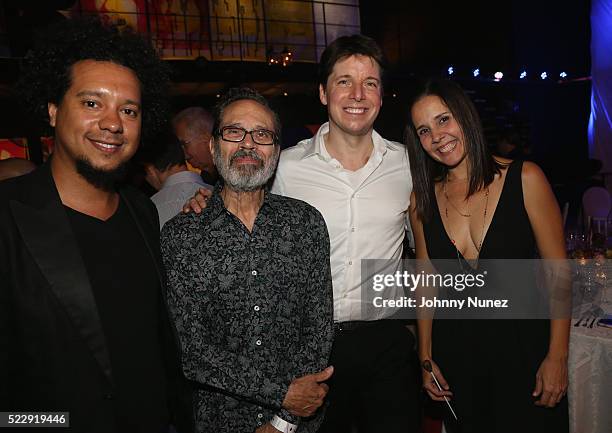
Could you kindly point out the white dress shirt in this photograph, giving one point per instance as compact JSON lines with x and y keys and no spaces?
{"x":174,"y":193}
{"x":365,"y":210}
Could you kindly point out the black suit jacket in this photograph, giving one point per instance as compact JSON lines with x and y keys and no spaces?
{"x":53,"y":354}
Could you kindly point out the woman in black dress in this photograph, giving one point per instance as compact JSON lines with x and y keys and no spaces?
{"x":500,"y":375}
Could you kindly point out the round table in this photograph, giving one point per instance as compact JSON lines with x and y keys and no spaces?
{"x":590,"y":375}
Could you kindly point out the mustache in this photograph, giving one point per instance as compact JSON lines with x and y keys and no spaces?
{"x":248,"y":153}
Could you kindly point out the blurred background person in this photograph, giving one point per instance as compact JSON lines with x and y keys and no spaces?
{"x":193,"y":127}
{"x":167,"y":172}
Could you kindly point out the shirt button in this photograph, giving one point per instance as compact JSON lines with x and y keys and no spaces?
{"x":253,"y":272}
{"x":350,"y":262}
{"x":260,"y":415}
{"x":256,"y":308}
{"x":258,"y":342}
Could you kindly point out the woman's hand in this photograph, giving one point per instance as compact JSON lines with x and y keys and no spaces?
{"x":198,"y":203}
{"x":551,"y":381}
{"x":430,"y":385}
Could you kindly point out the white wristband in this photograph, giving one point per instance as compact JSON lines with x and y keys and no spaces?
{"x":284,"y":426}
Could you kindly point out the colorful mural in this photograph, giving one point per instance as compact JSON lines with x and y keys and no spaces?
{"x":242,"y":29}
{"x":179,"y":28}
{"x":252,"y":30}
{"x":14,"y":148}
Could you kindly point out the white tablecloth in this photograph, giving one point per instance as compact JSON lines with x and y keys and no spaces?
{"x":590,"y":377}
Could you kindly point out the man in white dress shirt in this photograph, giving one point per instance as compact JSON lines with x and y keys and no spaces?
{"x":361,"y":184}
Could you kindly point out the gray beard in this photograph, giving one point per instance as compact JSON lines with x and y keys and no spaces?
{"x":246,"y":178}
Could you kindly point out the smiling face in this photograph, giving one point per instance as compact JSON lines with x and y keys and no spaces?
{"x":353,"y":95}
{"x":97,"y":122}
{"x":438,"y":131}
{"x":246,"y":165}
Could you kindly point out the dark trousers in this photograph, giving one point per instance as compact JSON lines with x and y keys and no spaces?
{"x":374,"y":388}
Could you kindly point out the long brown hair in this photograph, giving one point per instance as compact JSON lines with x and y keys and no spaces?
{"x":425,"y":170}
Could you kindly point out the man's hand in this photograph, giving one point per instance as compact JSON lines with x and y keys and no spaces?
{"x":198,"y":203}
{"x":267,"y":428}
{"x":305,"y":394}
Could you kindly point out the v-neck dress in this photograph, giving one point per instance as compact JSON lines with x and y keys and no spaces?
{"x":490,"y":365}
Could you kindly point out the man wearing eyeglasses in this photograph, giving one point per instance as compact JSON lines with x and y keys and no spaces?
{"x":249,"y":286}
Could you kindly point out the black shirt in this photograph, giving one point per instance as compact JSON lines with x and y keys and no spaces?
{"x":127,"y":293}
{"x":253,"y":310}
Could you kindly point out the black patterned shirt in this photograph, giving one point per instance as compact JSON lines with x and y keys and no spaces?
{"x":253,"y":309}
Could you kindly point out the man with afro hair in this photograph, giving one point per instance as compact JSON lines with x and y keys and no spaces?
{"x":83,"y":321}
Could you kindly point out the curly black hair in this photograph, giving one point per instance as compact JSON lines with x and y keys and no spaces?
{"x":46,"y":69}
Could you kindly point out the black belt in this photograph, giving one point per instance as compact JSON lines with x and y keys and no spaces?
{"x":351,"y":325}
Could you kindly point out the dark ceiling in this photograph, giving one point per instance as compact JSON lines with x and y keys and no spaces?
{"x":493,"y":35}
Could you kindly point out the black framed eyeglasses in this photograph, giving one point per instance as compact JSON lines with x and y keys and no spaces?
{"x":236,"y":134}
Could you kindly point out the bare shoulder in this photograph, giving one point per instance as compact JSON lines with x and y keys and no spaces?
{"x":537,"y":191}
{"x":532,"y":175}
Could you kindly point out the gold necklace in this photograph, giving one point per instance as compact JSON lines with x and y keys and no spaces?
{"x":484,"y":220}
{"x":465,"y":215}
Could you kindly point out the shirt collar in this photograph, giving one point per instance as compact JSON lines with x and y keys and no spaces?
{"x":216,"y":205}
{"x":316,"y":145}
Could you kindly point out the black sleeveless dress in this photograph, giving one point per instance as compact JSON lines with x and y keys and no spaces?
{"x":490,"y":365}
